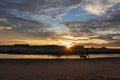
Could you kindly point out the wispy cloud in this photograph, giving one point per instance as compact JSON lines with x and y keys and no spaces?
{"x":98,"y":7}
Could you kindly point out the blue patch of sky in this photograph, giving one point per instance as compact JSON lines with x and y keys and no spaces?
{"x":16,"y":1}
{"x":78,"y":14}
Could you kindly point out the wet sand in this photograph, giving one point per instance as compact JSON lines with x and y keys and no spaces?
{"x":36,"y":69}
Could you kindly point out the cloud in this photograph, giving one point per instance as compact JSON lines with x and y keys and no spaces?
{"x":25,"y":17}
{"x":40,"y":20}
{"x":57,"y":15}
{"x":98,"y":7}
{"x":5,"y":28}
{"x":117,"y":37}
{"x":41,"y":8}
{"x":105,"y":29}
{"x":29,"y":27}
{"x":4,"y":25}
{"x":114,"y":43}
{"x":59,"y":8}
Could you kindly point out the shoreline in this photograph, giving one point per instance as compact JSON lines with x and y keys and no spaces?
{"x":90,"y":56}
{"x":96,"y":58}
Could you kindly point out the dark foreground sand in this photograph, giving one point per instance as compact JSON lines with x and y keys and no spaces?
{"x":91,"y":69}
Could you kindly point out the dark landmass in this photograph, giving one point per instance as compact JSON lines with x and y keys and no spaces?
{"x":54,"y":50}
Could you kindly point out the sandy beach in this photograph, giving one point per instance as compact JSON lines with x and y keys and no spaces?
{"x":36,"y":69}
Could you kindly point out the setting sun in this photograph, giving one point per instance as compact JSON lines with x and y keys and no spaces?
{"x":68,"y":44}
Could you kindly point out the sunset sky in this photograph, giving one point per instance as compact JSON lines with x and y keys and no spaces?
{"x":60,"y":22}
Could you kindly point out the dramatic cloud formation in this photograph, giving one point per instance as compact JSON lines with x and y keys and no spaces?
{"x":106,"y":30}
{"x":99,"y":7}
{"x":42,"y":22}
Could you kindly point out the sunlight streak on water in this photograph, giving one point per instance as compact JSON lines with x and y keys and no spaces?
{"x":16,"y":56}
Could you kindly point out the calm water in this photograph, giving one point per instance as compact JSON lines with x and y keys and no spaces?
{"x":56,"y":57}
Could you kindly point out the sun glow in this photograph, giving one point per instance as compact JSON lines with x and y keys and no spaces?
{"x":68,"y":44}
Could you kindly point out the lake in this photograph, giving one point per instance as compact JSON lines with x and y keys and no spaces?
{"x":24,"y":56}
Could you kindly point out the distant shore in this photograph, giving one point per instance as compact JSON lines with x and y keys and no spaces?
{"x":60,"y":69}
{"x":55,"y":50}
